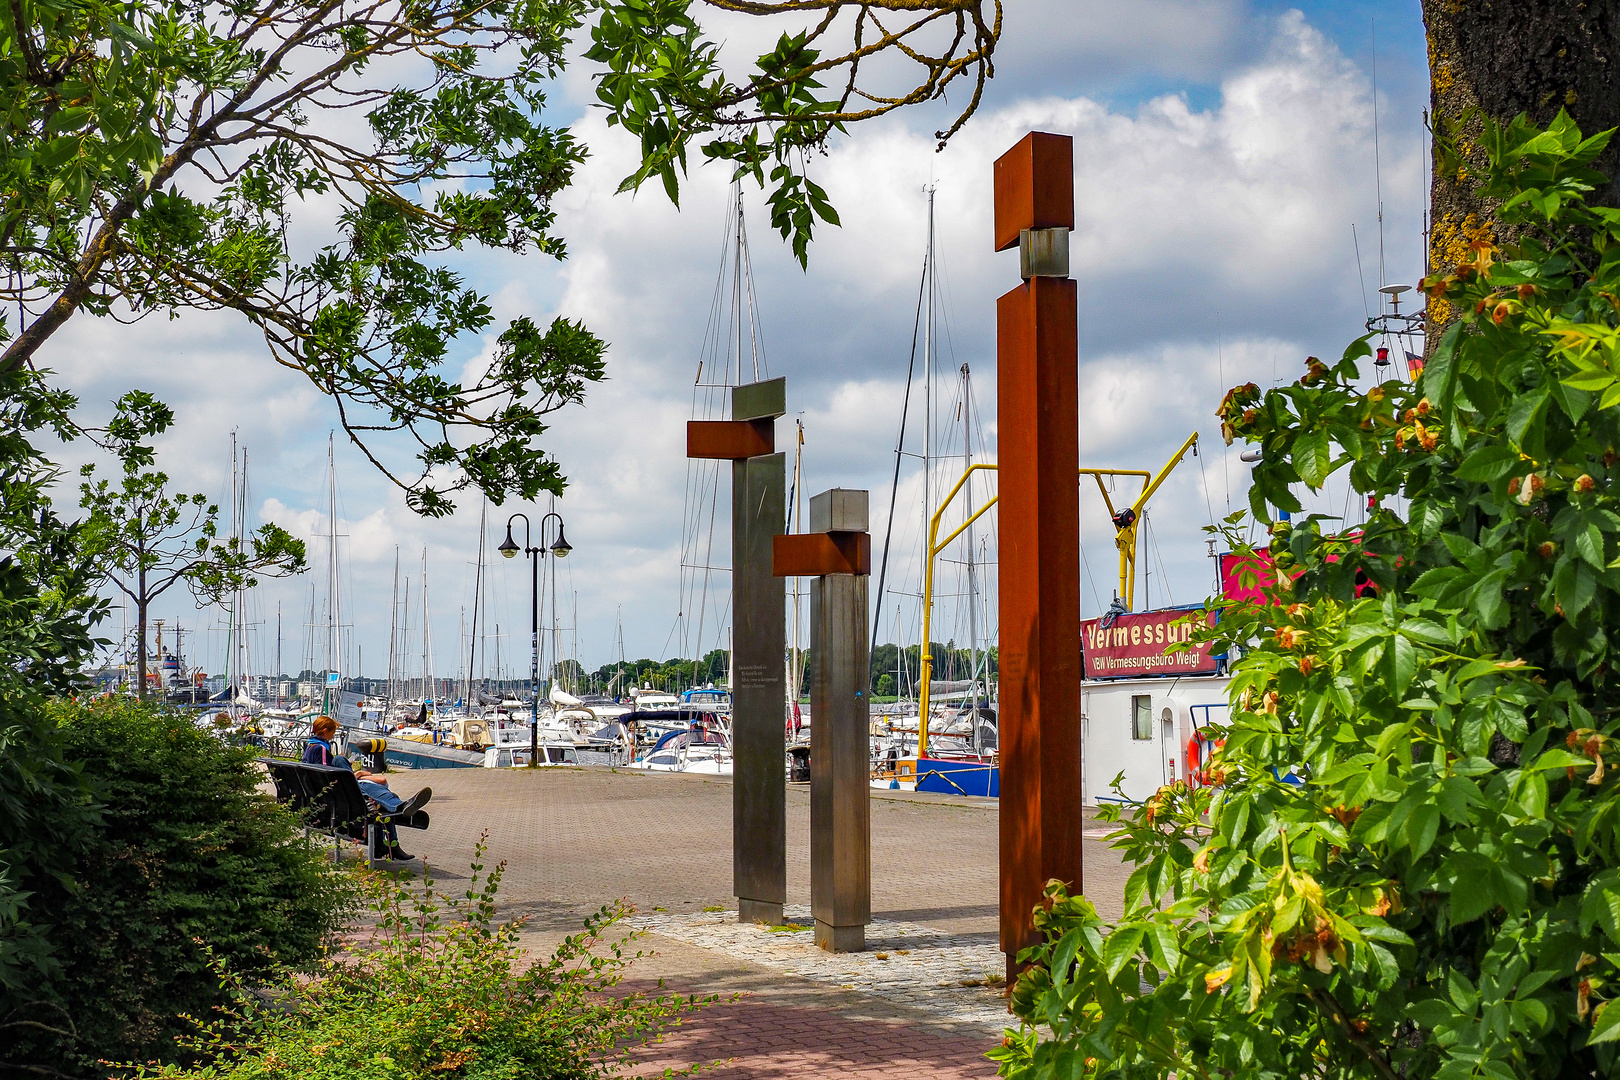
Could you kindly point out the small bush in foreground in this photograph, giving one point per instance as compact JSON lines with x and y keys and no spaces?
{"x":440,"y":990}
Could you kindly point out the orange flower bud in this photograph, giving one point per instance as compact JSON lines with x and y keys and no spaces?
{"x":1513,"y":486}
{"x":1584,"y":482}
{"x":1547,"y":549}
{"x":1501,"y":312}
{"x":1306,"y":663}
{"x":1526,"y":291}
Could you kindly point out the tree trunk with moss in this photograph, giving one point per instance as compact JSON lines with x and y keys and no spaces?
{"x":1501,"y":58}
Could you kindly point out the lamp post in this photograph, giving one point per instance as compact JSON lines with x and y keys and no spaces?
{"x":509,"y":549}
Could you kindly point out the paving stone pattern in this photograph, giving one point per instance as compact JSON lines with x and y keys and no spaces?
{"x":904,"y":963}
{"x":754,"y":1039}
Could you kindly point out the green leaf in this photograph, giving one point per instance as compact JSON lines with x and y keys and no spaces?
{"x":1312,"y":457}
{"x":1426,"y":631}
{"x":1527,"y":411}
{"x":1120,"y":948}
{"x":1471,"y":897}
{"x":1167,"y":948}
{"x":1461,"y":991}
{"x":1589,"y":545}
{"x":1421,"y":828}
{"x":1440,"y":372}
{"x":1400,"y":664}
{"x":1606,"y":1028}
{"x":1488,"y":463}
{"x":1588,"y":381}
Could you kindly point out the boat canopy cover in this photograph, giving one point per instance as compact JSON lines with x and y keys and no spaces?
{"x":677,"y":739}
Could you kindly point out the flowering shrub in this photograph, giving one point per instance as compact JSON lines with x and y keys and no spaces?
{"x":439,"y":989}
{"x":1411,"y":869}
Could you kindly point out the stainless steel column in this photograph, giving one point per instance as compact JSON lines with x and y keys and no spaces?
{"x":840,"y":738}
{"x":759,"y":692}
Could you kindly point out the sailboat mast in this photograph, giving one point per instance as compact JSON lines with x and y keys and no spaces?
{"x":231,"y":674}
{"x":972,"y":582}
{"x":928,"y":433}
{"x":478,"y":585}
{"x":393,"y":635}
{"x":334,"y":647}
{"x":796,"y":662}
{"x":427,"y":637}
{"x":241,"y":596}
{"x":404,"y":691}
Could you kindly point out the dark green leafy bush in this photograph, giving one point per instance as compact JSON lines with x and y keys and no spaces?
{"x":440,"y":990}
{"x":47,"y":610}
{"x":1411,"y":868}
{"x":189,"y":861}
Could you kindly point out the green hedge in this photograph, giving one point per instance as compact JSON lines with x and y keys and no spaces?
{"x":189,"y":860}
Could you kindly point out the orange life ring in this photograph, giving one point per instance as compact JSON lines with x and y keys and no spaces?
{"x":1197,"y":758}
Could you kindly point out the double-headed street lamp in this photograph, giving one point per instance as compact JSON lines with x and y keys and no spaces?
{"x":508,"y":549}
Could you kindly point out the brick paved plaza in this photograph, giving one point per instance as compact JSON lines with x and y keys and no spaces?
{"x":574,"y":839}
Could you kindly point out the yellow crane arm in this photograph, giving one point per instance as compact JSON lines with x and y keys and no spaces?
{"x":1126,"y":540}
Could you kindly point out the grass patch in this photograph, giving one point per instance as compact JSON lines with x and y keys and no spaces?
{"x":788,"y":928}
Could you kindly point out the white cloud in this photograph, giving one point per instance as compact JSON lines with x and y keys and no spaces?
{"x":1236,"y":216}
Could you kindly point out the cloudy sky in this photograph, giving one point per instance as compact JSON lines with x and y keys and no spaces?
{"x":1224,"y":150}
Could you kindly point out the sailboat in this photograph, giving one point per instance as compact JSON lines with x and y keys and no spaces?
{"x":732,"y":352}
{"x":961,"y":716}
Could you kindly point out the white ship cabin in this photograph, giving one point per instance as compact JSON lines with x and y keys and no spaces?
{"x":1141,"y":705}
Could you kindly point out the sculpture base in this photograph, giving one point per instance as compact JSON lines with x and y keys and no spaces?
{"x":840,"y":938}
{"x":759,"y":911}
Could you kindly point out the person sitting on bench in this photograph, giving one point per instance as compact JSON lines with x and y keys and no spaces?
{"x":374,"y":786}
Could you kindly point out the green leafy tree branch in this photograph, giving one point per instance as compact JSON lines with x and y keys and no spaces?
{"x":1407,"y":864}
{"x":147,"y":539}
{"x":156,"y":151}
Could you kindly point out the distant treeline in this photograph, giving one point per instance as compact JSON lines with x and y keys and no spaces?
{"x":890,"y":675}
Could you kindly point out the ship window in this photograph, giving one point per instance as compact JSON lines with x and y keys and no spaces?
{"x":1142,"y":717}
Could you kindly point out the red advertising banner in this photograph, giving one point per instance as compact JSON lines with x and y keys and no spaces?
{"x":1135,"y":644}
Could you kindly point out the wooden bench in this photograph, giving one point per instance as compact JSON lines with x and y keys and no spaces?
{"x":330,"y":799}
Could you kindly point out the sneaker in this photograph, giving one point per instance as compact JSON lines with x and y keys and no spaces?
{"x":414,"y":803}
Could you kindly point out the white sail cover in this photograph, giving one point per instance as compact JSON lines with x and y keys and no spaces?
{"x":563,"y":697}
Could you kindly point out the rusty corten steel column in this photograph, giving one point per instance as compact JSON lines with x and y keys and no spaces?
{"x":1037,"y":409}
